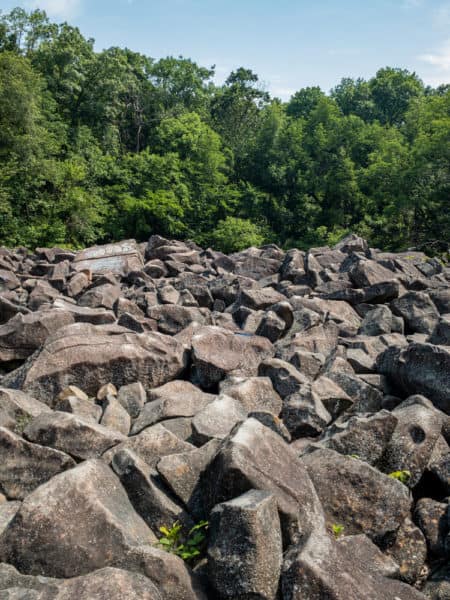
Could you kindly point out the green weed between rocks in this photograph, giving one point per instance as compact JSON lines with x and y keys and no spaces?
{"x":402,"y":476}
{"x":337,"y":529}
{"x":188,"y":546}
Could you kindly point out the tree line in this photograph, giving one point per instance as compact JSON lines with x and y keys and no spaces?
{"x":100,"y":146}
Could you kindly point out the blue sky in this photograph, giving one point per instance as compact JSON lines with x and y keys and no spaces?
{"x":288,"y":43}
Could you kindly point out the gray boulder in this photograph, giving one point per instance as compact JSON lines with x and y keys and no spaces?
{"x":419,"y":369}
{"x":245,"y":547}
{"x":79,"y":521}
{"x":88,"y":356}
{"x":25,"y":466}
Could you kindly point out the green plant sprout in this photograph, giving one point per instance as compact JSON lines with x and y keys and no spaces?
{"x":337,"y":529}
{"x":187,"y":546}
{"x":402,"y":476}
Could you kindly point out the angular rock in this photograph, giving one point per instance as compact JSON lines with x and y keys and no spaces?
{"x":86,"y":409}
{"x":101,"y":296}
{"x":431,"y":518}
{"x":245,"y":547}
{"x":171,"y":319}
{"x":363,"y":436}
{"x":79,"y":521}
{"x":409,"y":551}
{"x":419,"y":369}
{"x":323,"y":569}
{"x":23,"y":334}
{"x":254,"y":393}
{"x":332,"y":396}
{"x":174,"y":399}
{"x":132,"y":397}
{"x":17,"y":409}
{"x":73,"y":435}
{"x":108,"y":584}
{"x":217,"y":352}
{"x":357,"y":496}
{"x":181,"y":472}
{"x":108,"y":389}
{"x":217,"y":419}
{"x":441,"y":333}
{"x":259,"y":299}
{"x":254,"y":457}
{"x":418,"y":312}
{"x":146,"y":493}
{"x":411,"y":445}
{"x":150,"y":445}
{"x":25,"y":466}
{"x":271,"y":326}
{"x":285,"y":378}
{"x":304,"y":414}
{"x":115,"y":416}
{"x":368,"y":272}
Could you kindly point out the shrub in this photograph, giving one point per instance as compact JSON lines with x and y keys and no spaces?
{"x":234,"y":234}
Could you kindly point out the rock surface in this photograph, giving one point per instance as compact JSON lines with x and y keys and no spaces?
{"x":278,"y":420}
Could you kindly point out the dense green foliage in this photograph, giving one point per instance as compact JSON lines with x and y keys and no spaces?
{"x":97,"y":146}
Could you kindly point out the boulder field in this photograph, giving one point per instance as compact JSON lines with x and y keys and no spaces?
{"x":179,"y":424}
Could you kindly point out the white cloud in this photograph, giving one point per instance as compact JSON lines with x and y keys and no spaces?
{"x":440,"y":59}
{"x":62,"y":9}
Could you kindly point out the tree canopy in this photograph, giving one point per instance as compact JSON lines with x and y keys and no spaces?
{"x":101,"y":145}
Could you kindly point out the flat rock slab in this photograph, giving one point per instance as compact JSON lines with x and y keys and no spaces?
{"x":120,"y":259}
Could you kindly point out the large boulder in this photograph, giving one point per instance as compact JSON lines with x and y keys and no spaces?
{"x":217,"y":352}
{"x":254,"y":457}
{"x":109,"y":584}
{"x":245,"y":547}
{"x":411,"y":446}
{"x":23,"y":334}
{"x":323,"y":569}
{"x":104,"y":584}
{"x":356,"y":495}
{"x":418,"y":311}
{"x":79,"y":521}
{"x":25,"y":466}
{"x":71,"y":434}
{"x":89,"y":356}
{"x":419,"y":369}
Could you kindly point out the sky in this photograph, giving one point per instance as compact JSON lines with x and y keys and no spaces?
{"x":290,"y":44}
